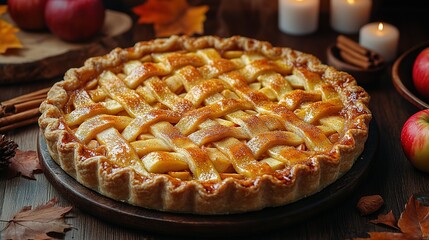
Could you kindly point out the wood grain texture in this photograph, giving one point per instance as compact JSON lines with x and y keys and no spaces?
{"x":390,"y":174}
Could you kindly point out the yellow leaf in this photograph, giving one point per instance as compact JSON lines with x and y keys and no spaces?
{"x":3,"y":9}
{"x":8,"y":38}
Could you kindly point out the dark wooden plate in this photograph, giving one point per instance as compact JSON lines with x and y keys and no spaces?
{"x":137,"y":218}
{"x":403,"y":79}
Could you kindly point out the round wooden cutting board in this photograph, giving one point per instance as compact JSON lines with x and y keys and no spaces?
{"x":45,"y":56}
{"x":137,"y":218}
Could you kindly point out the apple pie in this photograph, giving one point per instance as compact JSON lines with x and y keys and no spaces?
{"x":205,"y":125}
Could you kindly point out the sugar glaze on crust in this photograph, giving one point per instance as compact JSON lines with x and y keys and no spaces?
{"x":205,"y":194}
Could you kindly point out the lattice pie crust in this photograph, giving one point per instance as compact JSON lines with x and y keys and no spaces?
{"x":205,"y":125}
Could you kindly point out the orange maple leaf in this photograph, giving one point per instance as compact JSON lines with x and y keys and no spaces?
{"x":8,"y":38}
{"x":172,"y":17}
{"x":413,"y":223}
{"x":160,"y":11}
{"x":24,"y":162}
{"x":36,"y":223}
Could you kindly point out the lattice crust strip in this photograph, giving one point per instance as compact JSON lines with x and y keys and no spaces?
{"x":208,"y":110}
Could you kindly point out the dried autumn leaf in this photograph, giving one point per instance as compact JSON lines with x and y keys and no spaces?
{"x":386,"y":219}
{"x":3,"y":9}
{"x":191,"y":22}
{"x":160,"y":11}
{"x":172,"y":17}
{"x":414,"y":219}
{"x":36,"y":223}
{"x":24,"y":162}
{"x":413,"y":223}
{"x":8,"y":38}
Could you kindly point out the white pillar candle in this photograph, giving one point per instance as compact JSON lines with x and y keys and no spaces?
{"x":382,"y":38}
{"x":348,"y":16}
{"x":298,"y":17}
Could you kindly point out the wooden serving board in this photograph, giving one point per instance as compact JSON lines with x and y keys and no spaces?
{"x":45,"y":56}
{"x":138,"y":218}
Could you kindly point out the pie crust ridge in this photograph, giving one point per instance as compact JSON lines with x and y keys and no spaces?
{"x":230,"y":195}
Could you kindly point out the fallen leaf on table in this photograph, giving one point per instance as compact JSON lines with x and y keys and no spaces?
{"x":36,"y":223}
{"x":414,"y":220}
{"x":24,"y":162}
{"x":386,"y":219}
{"x":172,"y":17}
{"x":8,"y":38}
{"x":412,"y":224}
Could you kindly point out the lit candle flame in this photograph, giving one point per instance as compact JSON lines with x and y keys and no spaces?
{"x":380,"y":27}
{"x":351,"y":1}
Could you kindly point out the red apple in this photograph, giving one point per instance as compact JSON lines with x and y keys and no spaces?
{"x":75,"y":20}
{"x":421,"y":73}
{"x":28,"y":14}
{"x":415,"y":139}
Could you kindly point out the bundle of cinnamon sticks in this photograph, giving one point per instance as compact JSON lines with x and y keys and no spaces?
{"x":22,"y":110}
{"x":355,"y":54}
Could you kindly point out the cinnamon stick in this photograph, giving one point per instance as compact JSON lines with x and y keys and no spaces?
{"x":18,"y":117}
{"x":353,"y":45}
{"x":355,"y":54}
{"x":26,"y":97}
{"x":18,"y":124}
{"x":22,"y":110}
{"x":23,"y":102}
{"x":20,"y":107}
{"x":355,"y":61}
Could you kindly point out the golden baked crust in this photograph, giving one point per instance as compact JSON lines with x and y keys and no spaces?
{"x":205,"y":125}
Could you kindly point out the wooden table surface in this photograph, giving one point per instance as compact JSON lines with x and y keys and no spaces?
{"x":390,"y":175}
